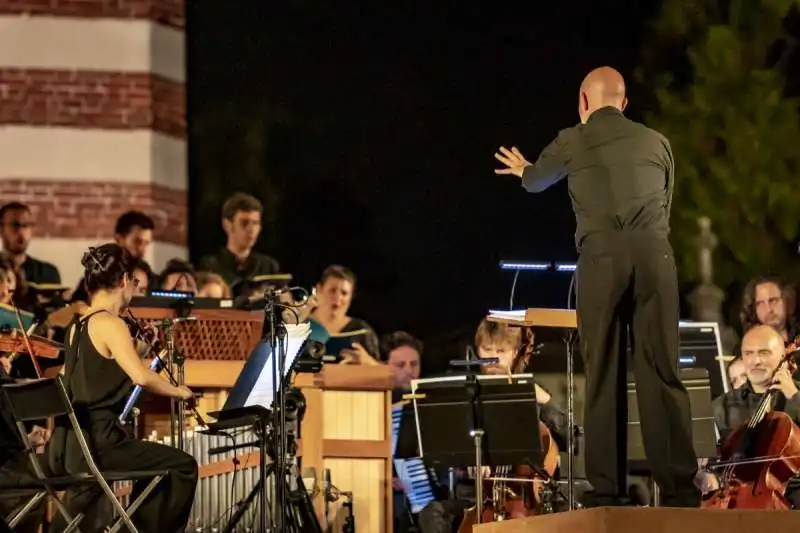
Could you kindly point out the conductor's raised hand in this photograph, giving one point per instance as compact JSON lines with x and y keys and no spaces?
{"x":513,"y":159}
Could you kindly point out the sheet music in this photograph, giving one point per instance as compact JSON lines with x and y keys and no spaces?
{"x":415,"y":383}
{"x":507,"y":315}
{"x":264,"y":390}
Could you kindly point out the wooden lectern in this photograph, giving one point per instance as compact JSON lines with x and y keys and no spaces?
{"x":347,"y":428}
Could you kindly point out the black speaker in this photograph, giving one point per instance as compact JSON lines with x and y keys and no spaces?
{"x":704,"y":432}
{"x":700,"y":347}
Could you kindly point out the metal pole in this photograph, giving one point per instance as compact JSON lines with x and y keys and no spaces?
{"x":477,"y":435}
{"x":570,"y":426}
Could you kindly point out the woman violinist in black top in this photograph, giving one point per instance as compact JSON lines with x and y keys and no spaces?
{"x":101,"y":366}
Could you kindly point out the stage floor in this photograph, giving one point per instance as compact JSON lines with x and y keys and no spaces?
{"x":650,"y":520}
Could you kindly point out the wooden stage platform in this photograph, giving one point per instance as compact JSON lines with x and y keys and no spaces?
{"x":650,"y":520}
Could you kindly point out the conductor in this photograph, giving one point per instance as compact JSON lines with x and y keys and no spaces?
{"x":620,"y":176}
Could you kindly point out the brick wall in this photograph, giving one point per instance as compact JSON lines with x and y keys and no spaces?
{"x":88,"y":210}
{"x":168,"y":12}
{"x":111,"y":100}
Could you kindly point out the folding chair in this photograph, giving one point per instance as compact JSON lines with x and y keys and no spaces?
{"x":45,"y":398}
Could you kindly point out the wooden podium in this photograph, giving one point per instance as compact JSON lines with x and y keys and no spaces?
{"x":649,"y":519}
{"x":347,"y":429}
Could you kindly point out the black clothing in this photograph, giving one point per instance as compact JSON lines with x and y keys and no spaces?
{"x":36,"y":271}
{"x":735,"y":408}
{"x":98,"y":388}
{"x":15,"y":468}
{"x":9,"y":436}
{"x":370,"y":340}
{"x":620,"y":174}
{"x":228,"y":267}
{"x":620,"y":179}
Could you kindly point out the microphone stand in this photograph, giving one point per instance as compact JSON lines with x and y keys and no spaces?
{"x":275,"y":332}
{"x":176,"y":359}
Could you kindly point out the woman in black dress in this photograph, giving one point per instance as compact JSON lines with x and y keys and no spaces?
{"x":101,"y":366}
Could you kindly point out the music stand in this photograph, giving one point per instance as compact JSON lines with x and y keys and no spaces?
{"x":551,"y":323}
{"x":255,"y":387}
{"x":463,"y":420}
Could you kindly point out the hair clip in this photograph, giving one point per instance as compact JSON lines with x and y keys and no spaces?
{"x":94,"y":257}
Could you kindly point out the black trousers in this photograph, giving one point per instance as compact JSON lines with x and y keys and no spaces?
{"x":627,"y":285}
{"x":16,"y":469}
{"x":165,"y":510}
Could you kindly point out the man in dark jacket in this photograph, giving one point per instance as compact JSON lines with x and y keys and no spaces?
{"x":620,"y":175}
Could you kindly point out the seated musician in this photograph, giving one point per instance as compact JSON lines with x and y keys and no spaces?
{"x":178,"y":275}
{"x":737,"y":373}
{"x":210,"y":285}
{"x":334,"y":295}
{"x":412,"y":485}
{"x":15,"y":467}
{"x":762,"y":351}
{"x":770,"y":301}
{"x":505,"y":343}
{"x":9,"y":281}
{"x":134,"y":231}
{"x":101,"y":366}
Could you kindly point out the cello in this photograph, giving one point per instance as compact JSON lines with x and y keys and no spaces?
{"x":760,"y":457}
{"x":517,"y":491}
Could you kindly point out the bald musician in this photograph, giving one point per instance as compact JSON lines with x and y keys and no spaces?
{"x":762,"y":351}
{"x":620,"y":177}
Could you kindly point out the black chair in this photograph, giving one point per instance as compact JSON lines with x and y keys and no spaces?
{"x":45,"y":398}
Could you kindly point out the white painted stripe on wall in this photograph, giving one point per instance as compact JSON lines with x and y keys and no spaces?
{"x":66,"y":255}
{"x":50,"y":153}
{"x":92,"y":44}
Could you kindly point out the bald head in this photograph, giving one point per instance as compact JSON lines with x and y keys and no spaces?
{"x":602,"y":87}
{"x":762,"y":352}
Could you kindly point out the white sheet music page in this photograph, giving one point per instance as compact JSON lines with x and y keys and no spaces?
{"x":507,"y":314}
{"x":264,"y":390}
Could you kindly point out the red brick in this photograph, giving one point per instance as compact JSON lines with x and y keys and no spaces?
{"x":168,"y":12}
{"x":88,"y":99}
{"x":89,"y":209}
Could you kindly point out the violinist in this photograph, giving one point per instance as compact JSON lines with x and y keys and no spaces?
{"x":494,"y":340}
{"x":762,"y":351}
{"x":101,"y":366}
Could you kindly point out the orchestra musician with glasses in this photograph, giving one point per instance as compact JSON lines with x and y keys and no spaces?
{"x":101,"y":367}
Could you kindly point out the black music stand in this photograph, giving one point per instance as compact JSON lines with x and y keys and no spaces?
{"x":476,"y":420}
{"x":251,"y":395}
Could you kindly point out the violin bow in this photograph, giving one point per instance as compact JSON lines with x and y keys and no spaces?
{"x":26,"y":339}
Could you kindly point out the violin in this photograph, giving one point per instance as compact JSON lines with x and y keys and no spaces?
{"x":142,"y":332}
{"x":516,"y":491}
{"x":761,"y":456}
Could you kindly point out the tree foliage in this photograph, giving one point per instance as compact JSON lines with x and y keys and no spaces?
{"x":715,"y":69}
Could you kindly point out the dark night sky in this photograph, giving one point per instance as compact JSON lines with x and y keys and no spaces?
{"x":383,"y":118}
